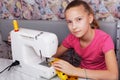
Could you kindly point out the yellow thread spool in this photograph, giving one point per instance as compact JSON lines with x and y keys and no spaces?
{"x":15,"y":25}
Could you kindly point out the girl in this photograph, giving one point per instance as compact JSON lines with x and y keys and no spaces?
{"x":94,"y":46}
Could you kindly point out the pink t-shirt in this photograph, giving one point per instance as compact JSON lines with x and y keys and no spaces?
{"x":92,"y":56}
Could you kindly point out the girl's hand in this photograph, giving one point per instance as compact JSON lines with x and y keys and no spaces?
{"x":65,"y":67}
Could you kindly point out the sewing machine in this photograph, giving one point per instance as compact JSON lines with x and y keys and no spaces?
{"x":32,"y":48}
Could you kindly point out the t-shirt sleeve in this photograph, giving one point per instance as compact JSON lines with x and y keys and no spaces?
{"x":67,"y":41}
{"x":108,"y":44}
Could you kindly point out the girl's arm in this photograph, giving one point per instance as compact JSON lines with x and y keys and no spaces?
{"x":61,"y":49}
{"x":110,"y":74}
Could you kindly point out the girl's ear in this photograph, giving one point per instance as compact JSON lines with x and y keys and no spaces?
{"x":91,"y":17}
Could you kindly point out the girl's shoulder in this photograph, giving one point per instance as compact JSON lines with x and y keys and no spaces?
{"x":100,"y":32}
{"x":102,"y":35}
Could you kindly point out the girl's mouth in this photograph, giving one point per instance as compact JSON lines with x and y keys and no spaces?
{"x":76,"y":32}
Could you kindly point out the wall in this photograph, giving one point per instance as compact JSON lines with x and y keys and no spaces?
{"x":106,"y":10}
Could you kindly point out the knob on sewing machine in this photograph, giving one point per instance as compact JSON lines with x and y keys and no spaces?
{"x":31,"y":48}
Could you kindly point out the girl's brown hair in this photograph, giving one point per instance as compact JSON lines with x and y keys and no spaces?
{"x":88,"y":9}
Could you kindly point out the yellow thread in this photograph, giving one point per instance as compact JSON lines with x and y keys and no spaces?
{"x":15,"y":25}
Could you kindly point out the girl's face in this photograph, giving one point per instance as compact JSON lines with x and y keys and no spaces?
{"x":78,"y":21}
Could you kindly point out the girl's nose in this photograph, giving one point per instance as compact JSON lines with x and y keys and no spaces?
{"x":74,"y":26}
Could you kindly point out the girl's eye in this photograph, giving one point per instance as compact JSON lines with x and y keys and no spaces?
{"x":69,"y":21}
{"x":78,"y":19}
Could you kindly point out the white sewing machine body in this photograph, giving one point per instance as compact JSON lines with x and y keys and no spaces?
{"x":31,"y":48}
